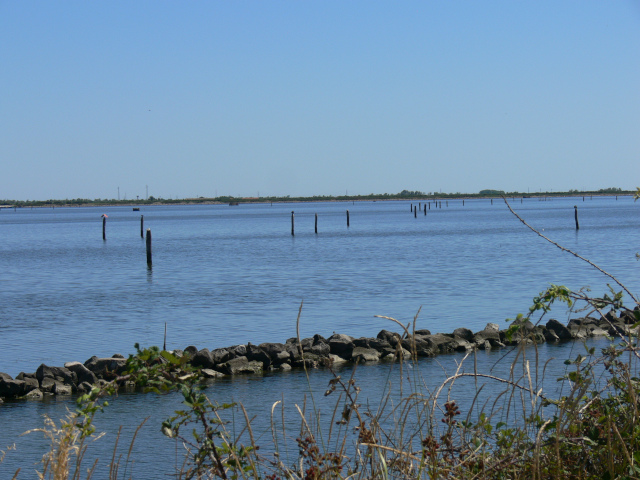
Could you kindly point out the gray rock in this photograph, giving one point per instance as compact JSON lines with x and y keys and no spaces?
{"x":365,"y":355}
{"x":492,"y":335}
{"x":559,"y":329}
{"x":48,"y":385}
{"x":257,"y":354}
{"x":221,"y":355}
{"x":35,"y":394}
{"x":6,"y":376}
{"x":62,"y":389}
{"x":84,"y":387}
{"x":341,"y":345}
{"x":320,"y":349}
{"x":423,"y":332}
{"x":10,"y":388}
{"x":83,"y":374}
{"x":240,"y":365}
{"x":106,"y":367}
{"x":391,"y":337}
{"x":203,"y":359}
{"x":463,"y":333}
{"x":277,"y":352}
{"x":492,"y":327}
{"x":208,"y":373}
{"x":61,"y":374}
{"x":190,"y":351}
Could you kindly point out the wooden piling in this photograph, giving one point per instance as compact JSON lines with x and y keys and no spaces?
{"x":104,"y":227}
{"x":463,"y":202}
{"x":492,"y":201}
{"x":412,"y":208}
{"x":316,"y":228}
{"x":576,"y":215}
{"x":415,"y":213}
{"x":425,"y":209}
{"x":141,"y":226}
{"x":429,"y":205}
{"x":149,"y":262}
{"x":347,"y":218}
{"x":164,"y":344}
{"x":292,"y":221}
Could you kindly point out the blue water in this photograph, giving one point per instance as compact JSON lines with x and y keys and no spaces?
{"x":228,"y":275}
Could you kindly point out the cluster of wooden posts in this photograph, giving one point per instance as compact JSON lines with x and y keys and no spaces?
{"x":414,"y":210}
{"x":147,"y":240}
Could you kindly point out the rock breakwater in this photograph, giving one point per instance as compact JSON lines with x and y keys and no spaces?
{"x":77,"y":378}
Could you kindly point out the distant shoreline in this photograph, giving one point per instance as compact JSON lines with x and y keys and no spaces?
{"x":8,"y":204}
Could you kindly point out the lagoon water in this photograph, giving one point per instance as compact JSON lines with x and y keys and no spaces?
{"x":226,"y":275}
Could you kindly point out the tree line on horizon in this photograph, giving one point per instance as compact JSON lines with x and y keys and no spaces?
{"x":404,"y":194}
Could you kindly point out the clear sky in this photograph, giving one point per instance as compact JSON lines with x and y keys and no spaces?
{"x":242,"y":98}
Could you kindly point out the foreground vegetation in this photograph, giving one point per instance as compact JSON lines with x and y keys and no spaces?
{"x":403,"y":195}
{"x":590,"y":431}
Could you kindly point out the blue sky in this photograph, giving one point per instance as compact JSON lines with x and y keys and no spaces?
{"x":316,"y":97}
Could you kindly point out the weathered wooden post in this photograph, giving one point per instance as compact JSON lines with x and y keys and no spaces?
{"x":104,"y":227}
{"x":347,"y":218}
{"x":463,"y":202}
{"x":149,"y":262}
{"x":429,"y":205}
{"x":412,"y":208}
{"x":425,"y":209}
{"x":292,"y":229}
{"x":141,"y":226}
{"x":415,"y":212}
{"x":492,"y":201}
{"x":316,"y":223}
{"x":164,"y":344}
{"x":576,"y":215}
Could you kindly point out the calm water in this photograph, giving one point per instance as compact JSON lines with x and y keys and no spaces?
{"x":227,"y":275}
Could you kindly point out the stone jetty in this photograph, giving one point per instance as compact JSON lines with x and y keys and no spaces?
{"x":313,"y":352}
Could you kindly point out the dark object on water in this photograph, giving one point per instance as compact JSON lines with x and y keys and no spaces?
{"x":136,"y":209}
{"x":233,"y":204}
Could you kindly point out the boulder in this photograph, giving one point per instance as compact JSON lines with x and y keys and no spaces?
{"x":208,"y":373}
{"x":559,"y":329}
{"x":361,"y":354}
{"x":463,"y":333}
{"x":240,"y":365}
{"x":629,"y":317}
{"x":6,"y":376}
{"x":190,"y":351}
{"x":257,"y":354}
{"x":10,"y":388}
{"x":391,"y":337}
{"x":423,"y":332}
{"x":341,"y":345}
{"x":64,"y":375}
{"x":278,"y":353}
{"x":35,"y":394}
{"x":320,"y":349}
{"x":84,"y":387}
{"x":203,"y":359}
{"x":489,"y":334}
{"x":62,"y":389}
{"x":83,"y":374}
{"x":106,"y":367}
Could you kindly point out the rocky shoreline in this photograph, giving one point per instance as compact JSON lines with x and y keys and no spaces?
{"x":313,"y":352}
